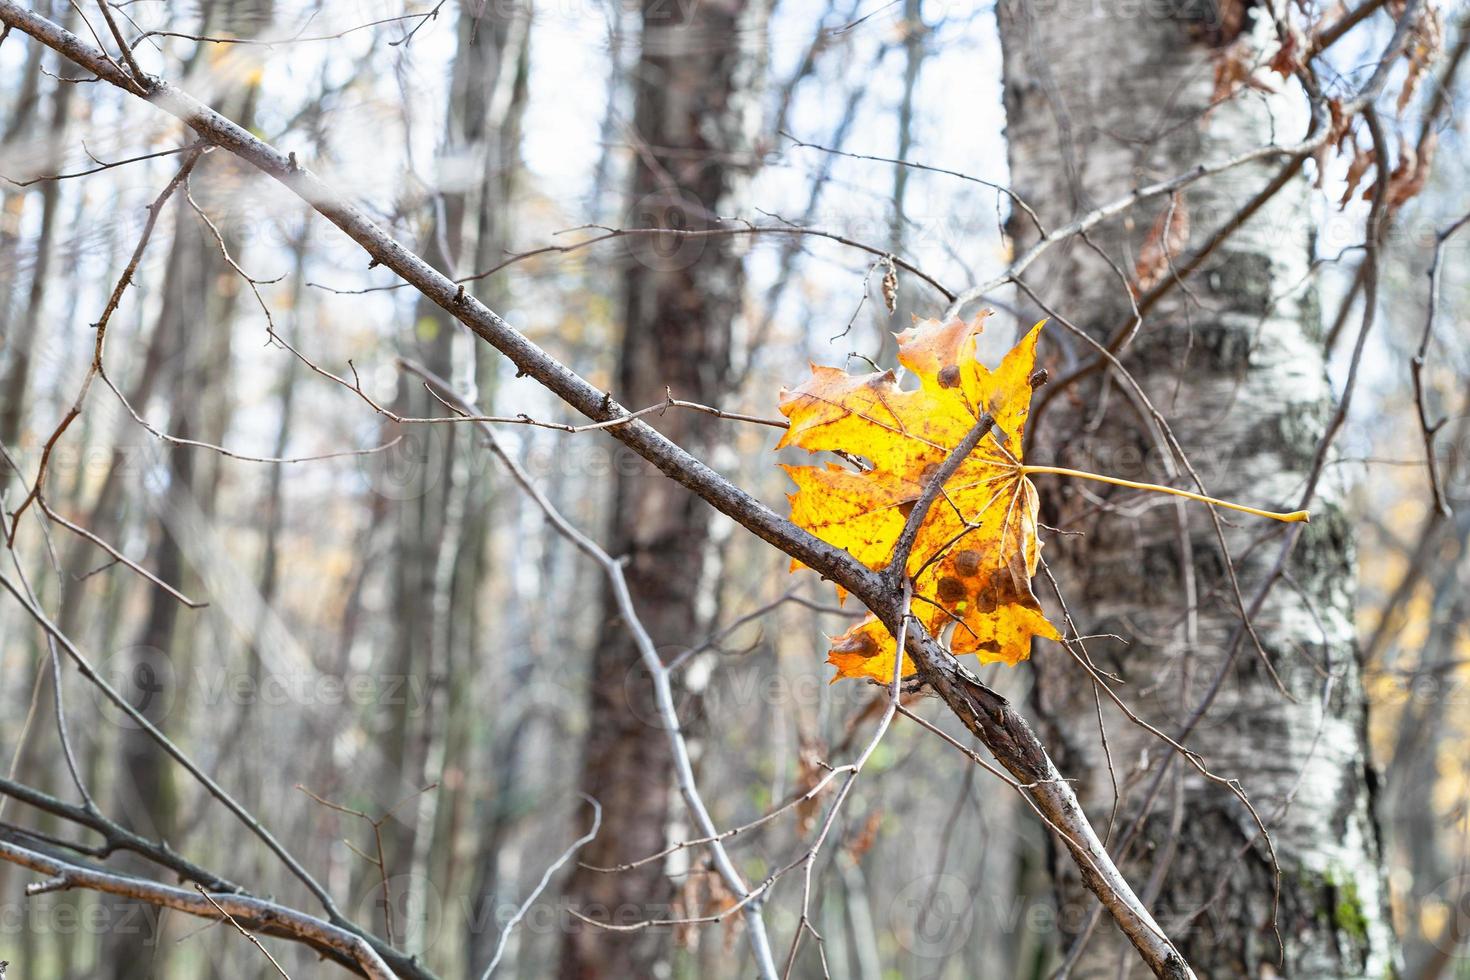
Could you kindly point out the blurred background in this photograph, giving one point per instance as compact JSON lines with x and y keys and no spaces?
{"x":409,"y":678}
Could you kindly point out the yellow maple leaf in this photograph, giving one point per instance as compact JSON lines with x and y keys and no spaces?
{"x":977,"y":549}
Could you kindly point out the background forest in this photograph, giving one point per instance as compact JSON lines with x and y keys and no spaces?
{"x":373,"y":682}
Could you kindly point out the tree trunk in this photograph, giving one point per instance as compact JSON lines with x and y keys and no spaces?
{"x":147,"y":792}
{"x":22,"y":341}
{"x":1234,"y":362}
{"x":696,"y":83}
{"x":431,"y":505}
{"x":474,"y":632}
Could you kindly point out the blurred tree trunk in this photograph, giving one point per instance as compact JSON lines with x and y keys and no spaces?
{"x":421,"y":483}
{"x":198,"y":288}
{"x":1234,"y":361}
{"x":914,"y":36}
{"x":443,"y":514}
{"x":195,"y":371}
{"x":17,"y":340}
{"x":495,"y":45}
{"x":1428,"y":838}
{"x":21,"y":341}
{"x":473,"y":644}
{"x":697,"y":86}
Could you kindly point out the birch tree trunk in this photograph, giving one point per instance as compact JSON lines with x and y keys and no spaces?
{"x":1234,"y":362}
{"x":697,"y":84}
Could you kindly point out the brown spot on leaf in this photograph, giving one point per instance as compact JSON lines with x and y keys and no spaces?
{"x":862,"y":644}
{"x":951,"y":589}
{"x":903,"y":434}
{"x":984,"y":604}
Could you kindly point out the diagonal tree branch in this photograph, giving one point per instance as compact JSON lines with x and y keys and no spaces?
{"x":984,"y":712}
{"x":385,"y":250}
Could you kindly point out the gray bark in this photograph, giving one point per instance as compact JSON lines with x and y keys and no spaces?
{"x":1235,"y":364}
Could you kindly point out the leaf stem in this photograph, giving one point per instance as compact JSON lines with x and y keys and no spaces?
{"x":1293,"y":517}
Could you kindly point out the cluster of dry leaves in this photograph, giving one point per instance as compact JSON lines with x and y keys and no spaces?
{"x":1238,"y":65}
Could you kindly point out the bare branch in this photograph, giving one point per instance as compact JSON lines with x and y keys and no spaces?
{"x":566,"y":856}
{"x":254,"y":911}
{"x":1416,"y":366}
{"x":101,"y":166}
{"x":154,"y":210}
{"x":610,"y":234}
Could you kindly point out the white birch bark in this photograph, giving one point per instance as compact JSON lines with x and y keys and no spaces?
{"x":1102,"y":98}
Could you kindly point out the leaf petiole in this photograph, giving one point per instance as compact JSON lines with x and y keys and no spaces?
{"x":1293,"y":517}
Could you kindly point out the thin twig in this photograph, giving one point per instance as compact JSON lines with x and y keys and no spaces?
{"x":1416,"y":365}
{"x":241,"y":930}
{"x":520,"y":912}
{"x":282,"y":920}
{"x":154,"y":210}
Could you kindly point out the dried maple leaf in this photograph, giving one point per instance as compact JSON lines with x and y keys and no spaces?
{"x":1288,"y":57}
{"x":1426,"y":40}
{"x":810,"y":769}
{"x":1235,"y":68}
{"x":1362,"y":160}
{"x":890,"y":284}
{"x":1166,"y":239}
{"x":977,"y":549}
{"x":1409,"y":175}
{"x":702,"y":895}
{"x":862,"y":842}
